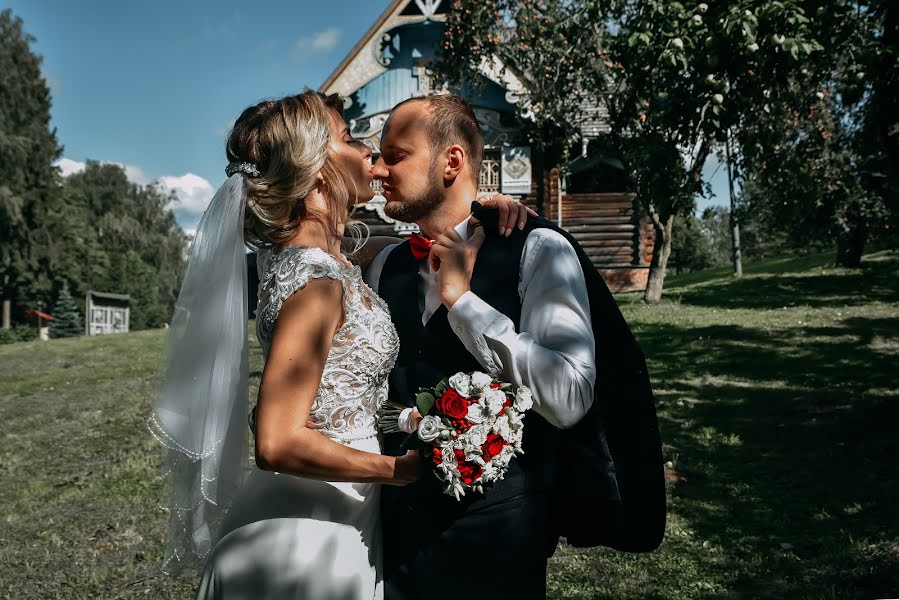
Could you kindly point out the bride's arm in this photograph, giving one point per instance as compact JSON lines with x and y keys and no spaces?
{"x":300,"y":345}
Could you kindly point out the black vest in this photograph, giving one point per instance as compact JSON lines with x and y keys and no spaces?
{"x":431,"y":352}
{"x":605,"y":473}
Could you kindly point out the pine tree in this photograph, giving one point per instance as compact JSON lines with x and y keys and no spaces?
{"x":29,"y":183}
{"x":67,"y":322}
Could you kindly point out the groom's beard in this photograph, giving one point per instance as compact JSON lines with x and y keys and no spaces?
{"x":417,"y":206}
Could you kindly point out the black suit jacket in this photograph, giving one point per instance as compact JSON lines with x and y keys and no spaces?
{"x":611,"y":487}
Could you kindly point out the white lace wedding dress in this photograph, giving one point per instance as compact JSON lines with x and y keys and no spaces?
{"x":291,"y":537}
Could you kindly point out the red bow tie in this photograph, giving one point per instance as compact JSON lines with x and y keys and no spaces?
{"x":421,"y":246}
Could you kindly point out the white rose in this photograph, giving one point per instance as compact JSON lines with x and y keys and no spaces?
{"x":461,"y":383}
{"x":429,"y":429}
{"x":480,"y":381}
{"x":523,"y":399}
{"x":470,"y":447}
{"x":476,"y":413}
{"x":477,"y":435}
{"x":495,"y":400}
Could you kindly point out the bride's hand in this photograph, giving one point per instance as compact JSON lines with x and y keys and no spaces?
{"x":512,"y":213}
{"x":408,"y":468}
{"x":453,"y":259}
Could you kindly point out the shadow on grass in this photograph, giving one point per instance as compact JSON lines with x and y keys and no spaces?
{"x":800,"y":281}
{"x":787,"y":444}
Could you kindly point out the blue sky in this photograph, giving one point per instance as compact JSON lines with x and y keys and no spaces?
{"x":156,"y":85}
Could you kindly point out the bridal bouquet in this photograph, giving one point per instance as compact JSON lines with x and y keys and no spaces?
{"x":471,"y":429}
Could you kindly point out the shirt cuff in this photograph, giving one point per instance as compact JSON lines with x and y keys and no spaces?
{"x":470,"y":317}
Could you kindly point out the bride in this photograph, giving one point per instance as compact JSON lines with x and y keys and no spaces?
{"x":304,"y":522}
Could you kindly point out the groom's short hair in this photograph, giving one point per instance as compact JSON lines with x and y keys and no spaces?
{"x":451,"y":121}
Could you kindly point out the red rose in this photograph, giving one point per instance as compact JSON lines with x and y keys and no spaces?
{"x":437,"y":455}
{"x":493,"y":445}
{"x":495,"y":386}
{"x":460,"y":455}
{"x":452,"y":405}
{"x":469,"y":472}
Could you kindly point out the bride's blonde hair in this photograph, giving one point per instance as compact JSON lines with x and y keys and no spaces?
{"x":287,"y":141}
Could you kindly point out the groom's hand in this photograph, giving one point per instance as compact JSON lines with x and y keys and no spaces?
{"x":454,"y":259}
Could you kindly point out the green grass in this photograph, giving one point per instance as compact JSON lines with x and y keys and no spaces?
{"x":778,"y":403}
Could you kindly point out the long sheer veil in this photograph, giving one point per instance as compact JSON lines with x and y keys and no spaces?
{"x":201,"y":413}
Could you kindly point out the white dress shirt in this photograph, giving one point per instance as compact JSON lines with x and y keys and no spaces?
{"x":554,"y":354}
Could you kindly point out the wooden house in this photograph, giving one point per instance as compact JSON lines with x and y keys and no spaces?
{"x":390,"y":64}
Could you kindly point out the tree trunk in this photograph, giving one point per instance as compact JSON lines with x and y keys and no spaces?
{"x":851,"y":245}
{"x":661,"y":251}
{"x":7,"y":309}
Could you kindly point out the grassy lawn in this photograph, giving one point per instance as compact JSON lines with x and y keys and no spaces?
{"x":778,"y":401}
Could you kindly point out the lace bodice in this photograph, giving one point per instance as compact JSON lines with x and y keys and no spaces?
{"x":354,"y":382}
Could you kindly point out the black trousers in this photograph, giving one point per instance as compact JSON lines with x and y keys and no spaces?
{"x":493,"y":552}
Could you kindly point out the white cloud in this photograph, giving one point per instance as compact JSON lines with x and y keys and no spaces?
{"x":135,"y":174}
{"x":192,"y":192}
{"x":192,"y":196}
{"x":317,"y":43}
{"x":67,"y":167}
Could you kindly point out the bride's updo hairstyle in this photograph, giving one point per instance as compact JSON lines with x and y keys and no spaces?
{"x":287,"y":140}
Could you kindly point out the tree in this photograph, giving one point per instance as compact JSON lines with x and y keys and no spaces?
{"x":547,"y":46}
{"x":716,"y":228}
{"x":817,"y":159}
{"x":690,"y":246}
{"x":677,"y":77}
{"x":28,"y":180}
{"x":126,"y":241}
{"x":673,"y":77}
{"x":67,"y":322}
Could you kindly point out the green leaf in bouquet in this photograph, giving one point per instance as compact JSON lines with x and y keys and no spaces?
{"x":425,"y":402}
{"x":441,"y":388}
{"x":505,"y":386}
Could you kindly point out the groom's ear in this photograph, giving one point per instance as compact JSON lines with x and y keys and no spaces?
{"x":455,"y":162}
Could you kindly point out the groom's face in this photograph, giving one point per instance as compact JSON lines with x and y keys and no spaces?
{"x":407,"y":167}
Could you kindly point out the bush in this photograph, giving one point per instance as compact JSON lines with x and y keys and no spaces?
{"x":18,"y":333}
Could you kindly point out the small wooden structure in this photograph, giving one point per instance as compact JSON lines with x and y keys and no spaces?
{"x":106,"y":313}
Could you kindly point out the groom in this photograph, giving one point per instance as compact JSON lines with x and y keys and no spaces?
{"x":532,"y":312}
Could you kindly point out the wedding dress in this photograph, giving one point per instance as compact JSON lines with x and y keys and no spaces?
{"x":292,"y":537}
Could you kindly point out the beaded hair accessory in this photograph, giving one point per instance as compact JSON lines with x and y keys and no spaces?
{"x":247,"y":168}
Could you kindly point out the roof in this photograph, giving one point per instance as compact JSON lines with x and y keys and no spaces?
{"x":33,"y":312}
{"x":363,"y":41}
{"x":109,"y":296}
